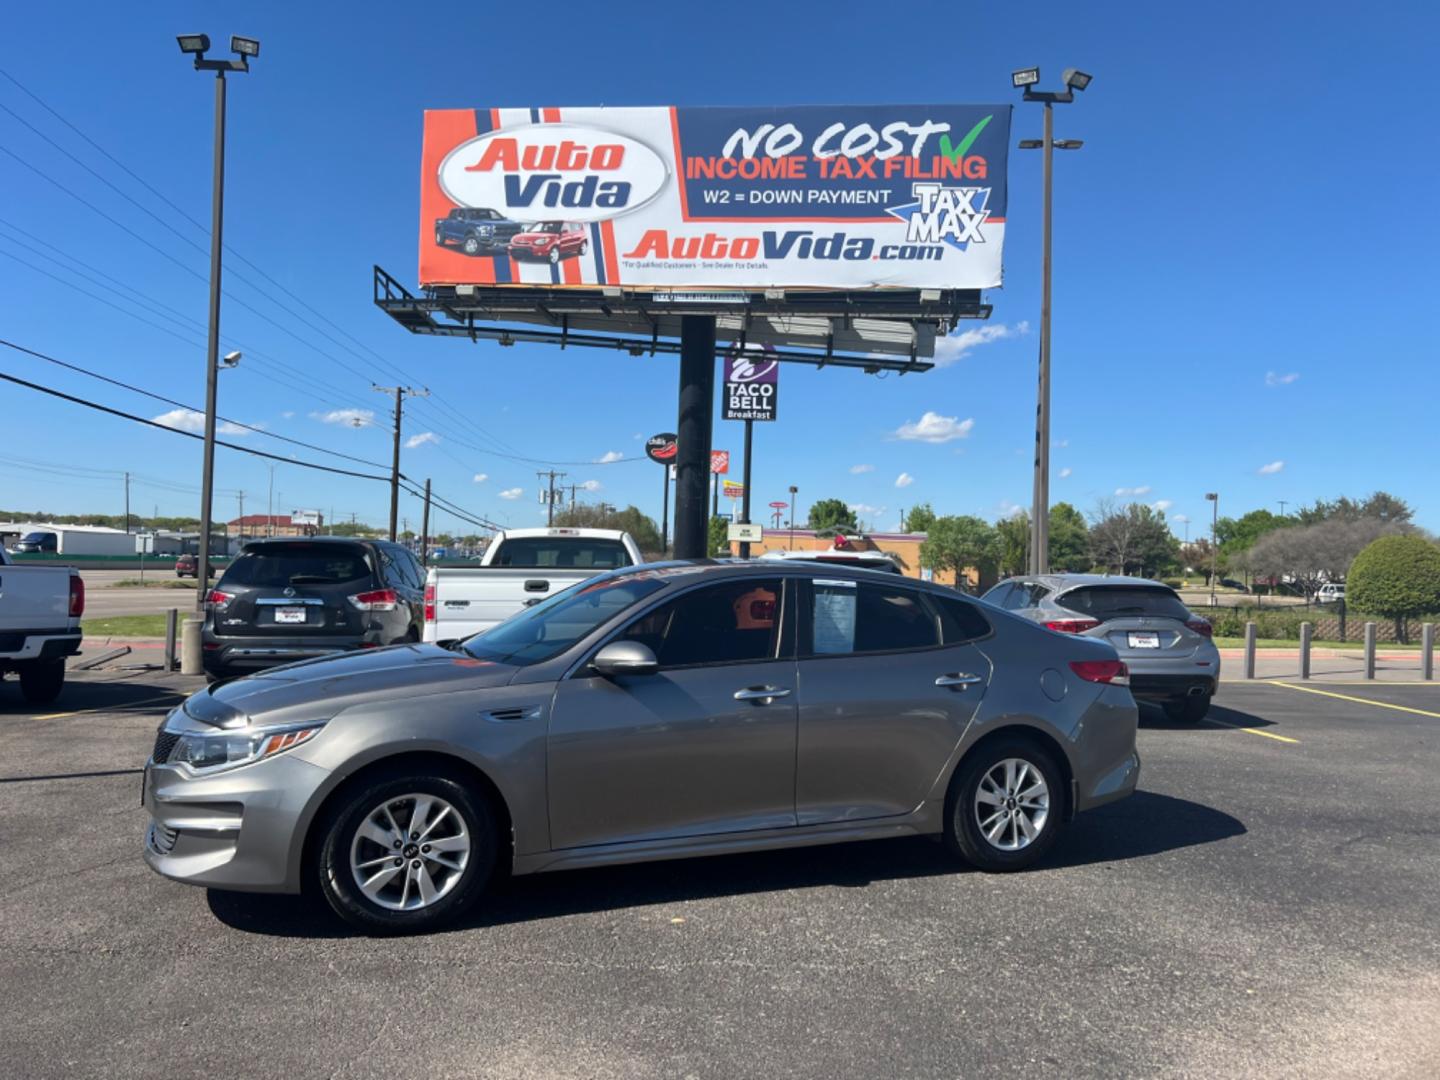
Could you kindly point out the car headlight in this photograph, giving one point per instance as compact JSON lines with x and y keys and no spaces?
{"x":203,"y":753}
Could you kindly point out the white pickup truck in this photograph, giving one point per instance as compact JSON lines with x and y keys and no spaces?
{"x":40,"y":609}
{"x":521,"y":567}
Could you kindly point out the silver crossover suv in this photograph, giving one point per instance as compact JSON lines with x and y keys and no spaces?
{"x":658,"y":711}
{"x":1165,"y":645}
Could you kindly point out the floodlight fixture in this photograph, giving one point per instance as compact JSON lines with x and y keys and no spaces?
{"x":250,"y":47}
{"x":1031,"y":144}
{"x":1025,"y":77}
{"x":194,"y":43}
{"x":1076,"y":79}
{"x":1068,"y":144}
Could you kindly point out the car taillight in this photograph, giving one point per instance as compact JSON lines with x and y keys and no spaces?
{"x":375,"y":600}
{"x":429,"y":603}
{"x":1072,"y":626}
{"x":1102,"y":671}
{"x":219,"y":600}
{"x":77,"y":596}
{"x":1201,"y":627}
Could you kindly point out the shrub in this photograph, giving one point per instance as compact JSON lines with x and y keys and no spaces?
{"x":1175,"y":582}
{"x":1397,"y":577}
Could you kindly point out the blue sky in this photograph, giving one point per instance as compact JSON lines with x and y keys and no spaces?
{"x":1244,"y":253}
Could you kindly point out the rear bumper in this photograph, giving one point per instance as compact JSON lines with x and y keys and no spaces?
{"x":42,"y":647}
{"x":258,"y":652}
{"x":1158,"y":686}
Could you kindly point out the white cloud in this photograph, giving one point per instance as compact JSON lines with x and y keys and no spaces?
{"x":347,"y":417}
{"x":190,"y":420}
{"x":1060,"y":444}
{"x":609,"y":456}
{"x":856,"y":470}
{"x":866,"y":509}
{"x":590,"y":485}
{"x":1129,"y":492}
{"x":1271,"y":469}
{"x":288,"y":414}
{"x":1009,"y":509}
{"x":420,"y":440}
{"x":1163,"y":504}
{"x":512,"y":493}
{"x":1182,"y":518}
{"x":934,"y":428}
{"x":904,"y":480}
{"x":956,"y":347}
{"x":1065,"y":472}
{"x":481,"y":477}
{"x":1274,"y":378}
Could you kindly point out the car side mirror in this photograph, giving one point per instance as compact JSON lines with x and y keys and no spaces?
{"x":625,"y":658}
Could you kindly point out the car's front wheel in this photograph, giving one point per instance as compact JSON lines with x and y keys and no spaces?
{"x":406,"y":853}
{"x":555,"y":255}
{"x":583,"y":248}
{"x":471,"y":245}
{"x":1006,"y":806}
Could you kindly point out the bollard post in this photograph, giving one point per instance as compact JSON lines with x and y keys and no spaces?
{"x":1369,"y":650}
{"x":1427,"y":651}
{"x":190,"y":648}
{"x":1306,"y":630}
{"x":172,"y":618}
{"x":1249,"y":650}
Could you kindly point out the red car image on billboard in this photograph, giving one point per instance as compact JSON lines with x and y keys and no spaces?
{"x":815,"y":196}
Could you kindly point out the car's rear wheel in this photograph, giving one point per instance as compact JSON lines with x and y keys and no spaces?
{"x":41,"y":683}
{"x":1190,"y":710}
{"x":1006,"y":806}
{"x":406,"y":853}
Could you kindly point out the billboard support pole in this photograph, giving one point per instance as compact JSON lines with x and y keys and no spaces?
{"x":697,"y":407}
{"x":745,"y":494}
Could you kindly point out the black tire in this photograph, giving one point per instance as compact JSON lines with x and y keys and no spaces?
{"x":470,"y":245}
{"x":963,"y":833}
{"x":554,"y":255}
{"x":1189,"y":710}
{"x":338,"y":830}
{"x":439,"y":239}
{"x":583,"y":248}
{"x":41,"y":683}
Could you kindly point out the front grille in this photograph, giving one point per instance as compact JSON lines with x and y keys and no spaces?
{"x":164,"y":743}
{"x":162,"y":840}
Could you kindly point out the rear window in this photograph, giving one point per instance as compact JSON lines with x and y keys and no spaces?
{"x":1117,"y":601}
{"x":561,"y":551}
{"x":278,"y":565}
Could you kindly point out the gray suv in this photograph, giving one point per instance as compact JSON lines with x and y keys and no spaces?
{"x":654,"y":712}
{"x":1166,"y":646}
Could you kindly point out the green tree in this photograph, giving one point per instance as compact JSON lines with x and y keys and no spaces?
{"x":1013,"y":552}
{"x":832,"y":514}
{"x":642,"y":528}
{"x":1395,"y":576}
{"x":1069,"y":539}
{"x":1133,"y":540}
{"x":1378,"y":506}
{"x":962,"y":543}
{"x":919,"y":519}
{"x":719,"y":536}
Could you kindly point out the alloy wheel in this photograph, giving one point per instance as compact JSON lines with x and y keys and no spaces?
{"x":409,"y":852}
{"x":1012,"y":804}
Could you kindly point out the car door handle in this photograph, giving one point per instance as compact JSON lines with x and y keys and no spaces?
{"x":761,"y":693}
{"x":960,"y":680}
{"x":537,"y":585}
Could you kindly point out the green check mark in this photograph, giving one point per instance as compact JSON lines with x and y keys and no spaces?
{"x":955,"y":153}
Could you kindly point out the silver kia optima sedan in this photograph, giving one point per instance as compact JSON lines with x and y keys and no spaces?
{"x":660,"y":711}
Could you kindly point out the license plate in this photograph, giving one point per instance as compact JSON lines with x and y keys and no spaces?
{"x":290,"y":615}
{"x":1144,"y":641}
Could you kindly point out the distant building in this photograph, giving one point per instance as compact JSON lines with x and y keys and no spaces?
{"x":253,"y":526}
{"x":904,"y":548}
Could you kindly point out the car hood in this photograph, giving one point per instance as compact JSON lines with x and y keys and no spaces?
{"x":320,"y":689}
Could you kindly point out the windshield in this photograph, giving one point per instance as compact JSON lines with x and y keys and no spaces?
{"x":37,"y":538}
{"x":1115,"y":601}
{"x":544,"y":226}
{"x":551,"y":627}
{"x":561,"y":551}
{"x":277,"y":565}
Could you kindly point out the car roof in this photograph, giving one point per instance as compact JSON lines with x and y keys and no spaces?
{"x":287,"y":540}
{"x":699,"y":569}
{"x":1070,"y":581}
{"x":573,"y":531}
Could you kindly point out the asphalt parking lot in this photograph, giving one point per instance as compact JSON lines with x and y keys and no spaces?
{"x":1268,"y":905}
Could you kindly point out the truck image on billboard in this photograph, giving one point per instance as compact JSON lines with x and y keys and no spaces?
{"x":814,"y":196}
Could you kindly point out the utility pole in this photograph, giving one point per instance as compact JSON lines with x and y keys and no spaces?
{"x":551,"y":476}
{"x":240,"y":525}
{"x":400,"y":392}
{"x":793,"y":491}
{"x":1282,"y":506}
{"x":573,"y":489}
{"x":127,"y":502}
{"x":1214,"y":497}
{"x":425,"y":528}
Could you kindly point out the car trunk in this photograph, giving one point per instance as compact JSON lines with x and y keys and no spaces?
{"x":295,"y":590}
{"x":1141,"y":622}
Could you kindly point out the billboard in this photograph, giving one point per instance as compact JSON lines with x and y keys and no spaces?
{"x":832,"y":197}
{"x":719,"y":461}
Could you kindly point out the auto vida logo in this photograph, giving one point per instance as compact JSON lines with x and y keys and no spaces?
{"x":570,"y":171}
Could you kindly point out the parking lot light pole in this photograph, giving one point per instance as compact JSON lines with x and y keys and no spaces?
{"x":1214,"y":497}
{"x":197,"y":45}
{"x":1025,"y":79}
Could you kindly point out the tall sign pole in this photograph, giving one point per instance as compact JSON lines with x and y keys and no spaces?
{"x":745,"y":494}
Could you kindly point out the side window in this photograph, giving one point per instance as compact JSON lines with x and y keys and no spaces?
{"x":417,"y":572}
{"x":1034,"y":593}
{"x":999,"y":594}
{"x":960,"y":621}
{"x":850,"y":617}
{"x":733,"y":622}
{"x":388,"y":570}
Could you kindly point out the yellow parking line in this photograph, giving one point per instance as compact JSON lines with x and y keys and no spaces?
{"x":1357,"y":700}
{"x":1253,"y":731}
{"x":128,"y":706}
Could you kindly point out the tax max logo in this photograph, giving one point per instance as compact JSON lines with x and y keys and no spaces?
{"x":941,"y":214}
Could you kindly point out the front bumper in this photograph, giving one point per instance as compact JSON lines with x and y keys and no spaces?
{"x":235,"y":830}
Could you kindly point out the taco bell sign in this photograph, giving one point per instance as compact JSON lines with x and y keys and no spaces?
{"x":752,"y":386}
